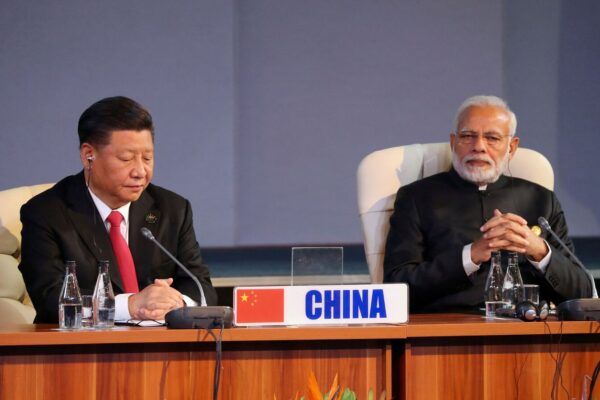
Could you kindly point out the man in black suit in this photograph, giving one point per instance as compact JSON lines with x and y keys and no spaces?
{"x":68,"y":222}
{"x":444,"y":227}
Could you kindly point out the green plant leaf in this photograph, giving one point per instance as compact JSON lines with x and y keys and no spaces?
{"x":348,"y":395}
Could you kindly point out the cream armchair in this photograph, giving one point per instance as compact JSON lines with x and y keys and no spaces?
{"x":381,"y":173}
{"x":15,"y":306}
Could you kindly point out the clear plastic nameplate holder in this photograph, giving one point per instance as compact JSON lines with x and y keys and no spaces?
{"x":317,"y":266}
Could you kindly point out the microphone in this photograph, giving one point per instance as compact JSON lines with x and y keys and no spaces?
{"x":204,"y":317}
{"x":546,"y":226}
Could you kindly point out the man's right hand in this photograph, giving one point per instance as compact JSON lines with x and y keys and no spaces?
{"x":155,"y":300}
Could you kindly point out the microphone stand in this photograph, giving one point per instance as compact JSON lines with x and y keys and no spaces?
{"x":546,"y":226}
{"x":203,"y":317}
{"x":575,"y":309}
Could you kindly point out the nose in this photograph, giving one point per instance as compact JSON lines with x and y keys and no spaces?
{"x":479,"y":143}
{"x":139,"y":169}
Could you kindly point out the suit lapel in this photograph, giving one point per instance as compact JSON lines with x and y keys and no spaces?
{"x":143,"y":213}
{"x":90,"y":227}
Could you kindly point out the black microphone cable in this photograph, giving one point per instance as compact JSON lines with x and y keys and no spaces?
{"x":594,"y":378}
{"x":218,"y":359}
{"x":557,"y":379}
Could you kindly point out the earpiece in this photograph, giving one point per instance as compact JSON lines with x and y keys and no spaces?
{"x":527,"y":311}
{"x":90,"y":158}
{"x":543,"y":310}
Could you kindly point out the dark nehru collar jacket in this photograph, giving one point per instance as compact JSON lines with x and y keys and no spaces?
{"x":63,"y":223}
{"x":434,"y":218}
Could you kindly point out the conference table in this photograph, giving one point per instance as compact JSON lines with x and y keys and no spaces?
{"x":433,"y":356}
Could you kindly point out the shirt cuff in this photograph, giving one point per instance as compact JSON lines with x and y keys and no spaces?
{"x":468,"y":264}
{"x":542,"y":265}
{"x":122,"y":307}
{"x":189,"y":302}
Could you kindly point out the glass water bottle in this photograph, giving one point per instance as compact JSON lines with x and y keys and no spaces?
{"x":69,"y":302}
{"x":104,"y":298}
{"x":512,"y":289}
{"x":493,"y":286}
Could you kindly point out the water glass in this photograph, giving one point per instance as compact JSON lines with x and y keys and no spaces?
{"x":492,"y":306}
{"x":87,"y":311}
{"x":532,"y":293}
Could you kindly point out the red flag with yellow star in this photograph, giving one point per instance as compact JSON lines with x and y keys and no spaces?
{"x":259,"y":305}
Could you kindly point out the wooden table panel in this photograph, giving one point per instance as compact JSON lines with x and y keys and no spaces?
{"x":282,"y":369}
{"x":489,"y":368}
{"x":185,"y":370}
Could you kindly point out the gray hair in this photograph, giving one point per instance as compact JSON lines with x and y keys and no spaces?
{"x":480,"y":101}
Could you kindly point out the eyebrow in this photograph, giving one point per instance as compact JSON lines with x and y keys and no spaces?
{"x":135,"y":151}
{"x":467,"y":130}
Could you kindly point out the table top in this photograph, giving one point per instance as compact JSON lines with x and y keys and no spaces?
{"x":419,"y":326}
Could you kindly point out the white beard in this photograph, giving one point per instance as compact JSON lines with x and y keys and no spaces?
{"x":480,"y":175}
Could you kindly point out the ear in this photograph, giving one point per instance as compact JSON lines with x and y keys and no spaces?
{"x":86,"y":155}
{"x":513,"y":145}
{"x":452,"y":141}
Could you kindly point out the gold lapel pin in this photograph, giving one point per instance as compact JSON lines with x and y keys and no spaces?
{"x":537,"y":231}
{"x":151,"y":218}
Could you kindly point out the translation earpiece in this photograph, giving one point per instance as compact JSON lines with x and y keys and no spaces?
{"x":90,"y":159}
{"x":543,"y":310}
{"x":527,"y":311}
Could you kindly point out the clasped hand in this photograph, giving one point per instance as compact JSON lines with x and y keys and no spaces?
{"x":507,"y":232}
{"x":155,"y":300}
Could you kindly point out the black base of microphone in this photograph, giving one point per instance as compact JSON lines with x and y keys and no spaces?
{"x":199,"y":317}
{"x":579,"y":310}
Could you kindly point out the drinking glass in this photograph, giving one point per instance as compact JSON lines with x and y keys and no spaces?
{"x":532,"y":293}
{"x":87,"y":311}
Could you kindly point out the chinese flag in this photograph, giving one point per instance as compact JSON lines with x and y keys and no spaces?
{"x":259,"y":305}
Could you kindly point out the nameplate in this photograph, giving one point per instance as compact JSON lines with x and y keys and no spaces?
{"x":321,"y":305}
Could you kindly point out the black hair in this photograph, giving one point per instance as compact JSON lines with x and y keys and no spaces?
{"x":111,"y":114}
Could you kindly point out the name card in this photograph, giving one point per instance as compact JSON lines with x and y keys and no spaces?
{"x":321,"y":305}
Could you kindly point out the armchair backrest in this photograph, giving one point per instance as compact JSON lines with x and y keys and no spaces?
{"x":381,"y":173}
{"x":15,"y":306}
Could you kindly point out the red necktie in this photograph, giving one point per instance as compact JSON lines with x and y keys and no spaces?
{"x":123,"y":254}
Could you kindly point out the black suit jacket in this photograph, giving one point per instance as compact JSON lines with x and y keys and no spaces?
{"x":63,"y":224}
{"x":433,"y":220}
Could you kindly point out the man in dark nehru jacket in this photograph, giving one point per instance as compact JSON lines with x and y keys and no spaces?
{"x":444,"y":227}
{"x":97,"y":215}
